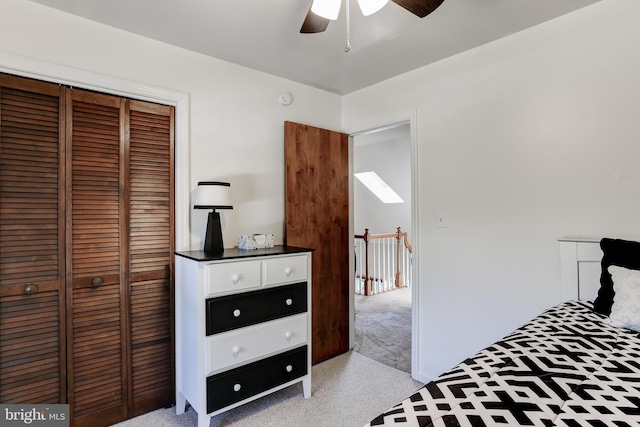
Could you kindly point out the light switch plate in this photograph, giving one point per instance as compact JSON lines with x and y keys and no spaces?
{"x":442,"y":219}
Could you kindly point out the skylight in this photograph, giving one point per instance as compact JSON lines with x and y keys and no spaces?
{"x":378,"y":187}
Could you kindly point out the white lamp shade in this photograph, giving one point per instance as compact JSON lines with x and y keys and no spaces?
{"x":370,"y":7}
{"x":212,"y":195}
{"x":329,"y":9}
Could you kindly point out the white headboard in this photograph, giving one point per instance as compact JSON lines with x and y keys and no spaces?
{"x":580,"y":268}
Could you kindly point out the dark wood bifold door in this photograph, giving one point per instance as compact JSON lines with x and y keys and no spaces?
{"x":96,"y":297}
{"x":32,"y":270}
{"x":86,"y":225}
{"x":317,"y":217}
{"x":151,"y":248}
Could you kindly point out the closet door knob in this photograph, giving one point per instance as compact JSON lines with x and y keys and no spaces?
{"x":30,"y":289}
{"x":97,"y":281}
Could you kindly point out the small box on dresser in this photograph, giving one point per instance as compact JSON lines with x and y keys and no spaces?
{"x":243,"y":326}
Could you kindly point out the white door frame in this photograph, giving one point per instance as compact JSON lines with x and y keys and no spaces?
{"x":410,"y":117}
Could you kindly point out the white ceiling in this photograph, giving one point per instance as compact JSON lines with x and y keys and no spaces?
{"x":264,"y":34}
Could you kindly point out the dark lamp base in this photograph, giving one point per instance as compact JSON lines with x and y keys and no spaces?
{"x":213,"y":238}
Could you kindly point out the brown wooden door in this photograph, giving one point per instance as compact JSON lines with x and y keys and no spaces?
{"x":151,"y":231}
{"x":86,"y":251}
{"x":32,"y":351}
{"x":121,"y":255}
{"x":97,"y":261}
{"x":317,"y":217}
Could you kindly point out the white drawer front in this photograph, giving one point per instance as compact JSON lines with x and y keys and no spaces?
{"x":243,"y":345}
{"x":285,"y":269}
{"x":232,"y":276}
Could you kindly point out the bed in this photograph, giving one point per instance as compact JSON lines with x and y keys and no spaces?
{"x":576,"y":364}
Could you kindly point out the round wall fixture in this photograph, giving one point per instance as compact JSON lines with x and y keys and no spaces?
{"x":285,"y":98}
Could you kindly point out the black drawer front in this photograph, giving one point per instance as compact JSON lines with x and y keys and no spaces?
{"x":240,"y":383}
{"x":249,"y":308}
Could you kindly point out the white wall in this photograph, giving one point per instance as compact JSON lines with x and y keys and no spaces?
{"x":391,"y":160}
{"x":236,"y":124}
{"x":521,"y":141}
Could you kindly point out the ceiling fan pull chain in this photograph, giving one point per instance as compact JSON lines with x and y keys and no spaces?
{"x":347,"y":46}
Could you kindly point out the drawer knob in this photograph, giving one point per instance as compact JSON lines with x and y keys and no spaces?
{"x":30,"y":289}
{"x":236,"y":313}
{"x":97,"y":281}
{"x":287,"y":336}
{"x":235,"y":279}
{"x":237,"y":387}
{"x":289,"y":368}
{"x":236,"y":350}
{"x":287,"y":271}
{"x":289,"y":301}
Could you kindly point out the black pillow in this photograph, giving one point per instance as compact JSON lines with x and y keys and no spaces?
{"x":615,"y":252}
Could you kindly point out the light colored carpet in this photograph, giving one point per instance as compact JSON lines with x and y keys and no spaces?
{"x":347,"y":391}
{"x":383,"y":328}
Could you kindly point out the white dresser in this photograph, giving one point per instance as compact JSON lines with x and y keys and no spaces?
{"x":243,"y":326}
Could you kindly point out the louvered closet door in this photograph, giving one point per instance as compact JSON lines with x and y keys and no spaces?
{"x":32,"y":367}
{"x":97,"y":259}
{"x":86,"y":251}
{"x":151,"y":242}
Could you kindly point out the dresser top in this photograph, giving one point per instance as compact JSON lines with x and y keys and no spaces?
{"x":235,"y":253}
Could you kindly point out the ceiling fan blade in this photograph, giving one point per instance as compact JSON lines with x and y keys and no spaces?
{"x":314,"y":23}
{"x":419,"y":8}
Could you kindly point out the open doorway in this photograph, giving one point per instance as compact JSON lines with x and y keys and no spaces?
{"x":383,"y":296}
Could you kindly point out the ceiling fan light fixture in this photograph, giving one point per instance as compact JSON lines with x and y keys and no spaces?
{"x":329,"y":9}
{"x":369,"y":7}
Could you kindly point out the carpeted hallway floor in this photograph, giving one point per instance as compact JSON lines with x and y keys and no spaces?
{"x":383,"y":328}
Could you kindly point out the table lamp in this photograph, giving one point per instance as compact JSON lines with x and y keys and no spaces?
{"x":213,"y":195}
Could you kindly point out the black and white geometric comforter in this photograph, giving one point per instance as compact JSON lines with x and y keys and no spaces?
{"x":567,"y":367}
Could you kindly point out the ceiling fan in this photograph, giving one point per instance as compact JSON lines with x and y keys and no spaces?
{"x":323,"y":11}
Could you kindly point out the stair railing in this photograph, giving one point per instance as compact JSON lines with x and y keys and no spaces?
{"x":381,"y":260}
